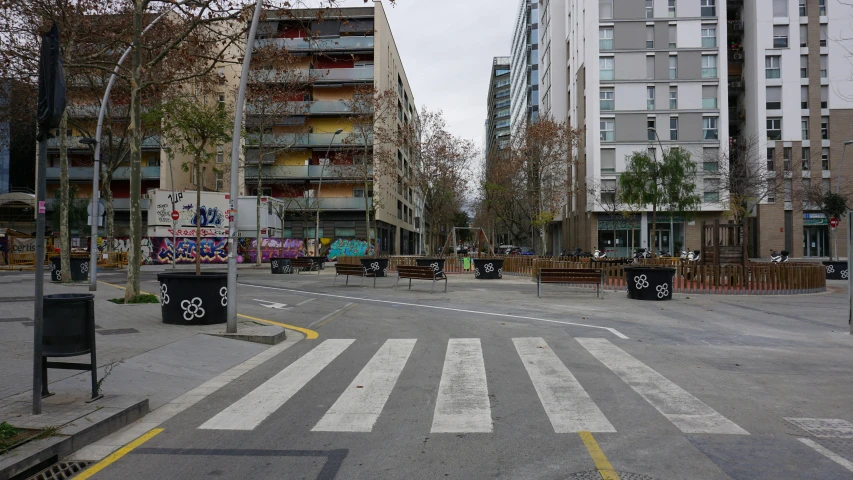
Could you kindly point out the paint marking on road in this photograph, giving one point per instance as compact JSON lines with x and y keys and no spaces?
{"x":436,"y":307}
{"x":567,"y":404}
{"x":462,"y":405}
{"x":685,"y":411}
{"x":85,"y":474}
{"x":605,"y":469}
{"x":309,"y":334}
{"x":306,"y":301}
{"x":328,"y":318}
{"x":824,"y":427}
{"x":828,"y":453}
{"x":271,"y":304}
{"x":358,"y":408}
{"x":248,"y":412}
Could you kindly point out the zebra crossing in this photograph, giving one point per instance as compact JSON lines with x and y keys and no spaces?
{"x":462,"y":397}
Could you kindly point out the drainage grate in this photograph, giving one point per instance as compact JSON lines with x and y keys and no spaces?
{"x":60,"y":471}
{"x":594,"y":475}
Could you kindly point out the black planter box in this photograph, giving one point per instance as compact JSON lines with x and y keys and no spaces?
{"x":437,"y":264}
{"x":836,"y":270}
{"x":488,"y":268}
{"x":280,"y":265}
{"x":379,"y":266}
{"x":646,"y":283}
{"x":79,"y":269}
{"x":190,"y":299}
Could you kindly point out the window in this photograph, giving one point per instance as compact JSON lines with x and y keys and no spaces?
{"x":771,"y":191}
{"x":804,"y":126}
{"x":712,"y":189}
{"x":824,"y":186}
{"x":804,"y":97}
{"x":650,"y":67}
{"x":824,"y":96}
{"x":606,"y":126}
{"x":222,"y":102}
{"x":804,"y":66}
{"x":650,"y":8}
{"x":804,"y":35}
{"x":673,"y":34}
{"x":344,"y":232}
{"x":608,"y":192}
{"x":786,"y":159}
{"x":709,"y":66}
{"x":673,"y":67}
{"x":671,"y":9}
{"x":806,"y":158}
{"x":823,"y":62}
{"x":650,"y":36}
{"x":824,"y":128}
{"x":709,"y":96}
{"x":219,"y":181}
{"x":673,"y":98}
{"x":709,"y":36}
{"x":780,"y":8}
{"x":824,"y":158}
{"x":774,"y":129}
{"x":605,"y":38}
{"x":823,"y":35}
{"x":787,"y":186}
{"x":771,"y":66}
{"x":608,"y":160}
{"x":605,"y":96}
{"x":605,"y":9}
{"x":709,"y":128}
{"x":220,"y":155}
{"x":650,"y":129}
{"x":821,"y":8}
{"x":711,"y":159}
{"x":673,"y":128}
{"x":605,"y":67}
{"x":780,"y":36}
{"x":154,"y":161}
{"x":650,"y":98}
{"x":771,"y":159}
{"x":708,"y":8}
{"x":803,"y":11}
{"x":774,"y":98}
{"x":309,"y":233}
{"x":358,"y":193}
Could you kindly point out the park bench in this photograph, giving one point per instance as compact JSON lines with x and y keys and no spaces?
{"x":420,"y":273}
{"x":356,"y":270}
{"x":301,"y":263}
{"x":574,"y":276}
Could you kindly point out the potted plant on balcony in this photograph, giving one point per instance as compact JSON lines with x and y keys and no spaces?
{"x":669,"y":183}
{"x":195,"y":127}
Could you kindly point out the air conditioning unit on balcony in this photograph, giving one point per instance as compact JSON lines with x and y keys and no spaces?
{"x":738,"y":56}
{"x":736,"y":84}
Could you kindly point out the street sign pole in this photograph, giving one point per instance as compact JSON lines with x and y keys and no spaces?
{"x":849,"y":277}
{"x":833,"y":224}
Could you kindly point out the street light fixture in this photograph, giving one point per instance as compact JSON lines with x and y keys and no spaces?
{"x":322,"y":168}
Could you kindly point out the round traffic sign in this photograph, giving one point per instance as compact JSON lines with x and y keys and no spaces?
{"x":175,"y":215}
{"x":834,"y":222}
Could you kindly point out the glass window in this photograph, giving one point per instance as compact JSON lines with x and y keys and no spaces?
{"x":673,"y":98}
{"x":804,"y":66}
{"x":220,"y":155}
{"x":605,"y":9}
{"x":780,"y":8}
{"x":787,"y":187}
{"x":806,"y":158}
{"x":650,"y":129}
{"x":650,"y":98}
{"x":605,"y":38}
{"x":774,"y":129}
{"x":712,"y":189}
{"x":773,"y":98}
{"x":344,"y":232}
{"x":606,"y":98}
{"x":804,"y":126}
{"x":821,"y":8}
{"x":824,"y":96}
{"x":823,"y":63}
{"x":709,"y":96}
{"x":824,"y":158}
{"x":605,"y":66}
{"x":650,"y":8}
{"x":671,"y":8}
{"x":711,"y":159}
{"x":309,"y":232}
{"x":708,"y":8}
{"x":709,"y":128}
{"x":804,"y":97}
{"x":804,"y":35}
{"x":771,"y":158}
{"x":824,"y":128}
{"x":786,"y":158}
{"x":709,"y":36}
{"x":823,"y":35}
{"x":673,"y":34}
{"x":709,"y":66}
{"x":803,"y":11}
{"x":650,"y":36}
{"x":608,"y":160}
{"x":673,"y":128}
{"x":771,"y":66}
{"x":650,"y":67}
{"x":606,"y":127}
{"x":771,"y":191}
{"x":780,"y":36}
{"x":673,"y":67}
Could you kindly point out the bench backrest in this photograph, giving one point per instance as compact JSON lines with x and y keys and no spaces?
{"x":350,"y":269}
{"x":416,"y":272}
{"x":571,"y":273}
{"x":301,"y":262}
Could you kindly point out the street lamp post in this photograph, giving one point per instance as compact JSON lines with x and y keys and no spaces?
{"x":651,"y":129}
{"x":837,"y":192}
{"x":322,"y":168}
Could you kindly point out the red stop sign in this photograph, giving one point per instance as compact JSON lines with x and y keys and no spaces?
{"x":175,"y":215}
{"x":834,"y":222}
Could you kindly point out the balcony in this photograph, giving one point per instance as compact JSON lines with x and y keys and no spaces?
{"x":85,"y":173}
{"x":319,"y":107}
{"x":311,"y":172}
{"x":73,"y":142}
{"x":343,"y":203}
{"x":306,"y":139}
{"x":315,"y":75}
{"x":318,"y":44}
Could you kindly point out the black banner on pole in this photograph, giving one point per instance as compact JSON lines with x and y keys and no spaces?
{"x":51,"y":99}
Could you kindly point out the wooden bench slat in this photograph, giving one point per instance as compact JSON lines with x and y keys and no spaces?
{"x":574,"y":276}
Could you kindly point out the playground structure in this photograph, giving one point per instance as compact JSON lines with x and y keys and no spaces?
{"x":481,"y":237}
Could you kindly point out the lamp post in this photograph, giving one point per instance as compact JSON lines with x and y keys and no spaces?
{"x":837,"y":192}
{"x":322,"y":168}
{"x":651,"y":129}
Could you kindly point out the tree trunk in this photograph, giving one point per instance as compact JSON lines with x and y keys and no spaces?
{"x":197,"y":164}
{"x":64,"y":233}
{"x":110,"y":211}
{"x":134,"y":257}
{"x":258,"y":197}
{"x":654,"y":232}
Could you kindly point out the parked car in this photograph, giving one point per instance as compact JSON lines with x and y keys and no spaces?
{"x":505,"y":249}
{"x":526,"y":251}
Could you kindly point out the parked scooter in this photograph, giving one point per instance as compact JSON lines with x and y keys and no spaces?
{"x":779,"y":257}
{"x":598,"y":254}
{"x":690,"y":256}
{"x":641,"y":253}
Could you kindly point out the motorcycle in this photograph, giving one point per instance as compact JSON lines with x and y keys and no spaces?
{"x":690,"y":256}
{"x":779,"y":257}
{"x":641,"y":253}
{"x":599,"y":255}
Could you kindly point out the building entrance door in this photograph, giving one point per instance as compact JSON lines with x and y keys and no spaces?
{"x":815,"y":241}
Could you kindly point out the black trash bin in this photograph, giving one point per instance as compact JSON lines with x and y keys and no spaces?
{"x":68,"y":330}
{"x":79,"y":269}
{"x":280,"y":265}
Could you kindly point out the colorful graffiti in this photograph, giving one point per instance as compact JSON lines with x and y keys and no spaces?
{"x":210,"y":217}
{"x":349,"y":247}
{"x":123,"y":245}
{"x":270,"y":247}
{"x":213,"y":250}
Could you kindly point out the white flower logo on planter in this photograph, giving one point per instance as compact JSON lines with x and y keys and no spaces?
{"x":641,"y":282}
{"x":489,"y":268}
{"x":500,"y":273}
{"x":385,"y":271}
{"x":84,"y":267}
{"x":374,"y":266}
{"x":287,"y":268}
{"x":845,"y":274}
{"x":434,"y":266}
{"x":275,"y":264}
{"x":663,"y":290}
{"x":192,"y":309}
{"x":52,"y":266}
{"x":59,"y":274}
{"x":164,"y":294}
{"x":830,"y":269}
{"x":476,"y":272}
{"x":223,"y":292}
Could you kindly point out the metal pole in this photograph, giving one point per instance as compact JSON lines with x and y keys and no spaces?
{"x":317,"y":221}
{"x":837,"y":192}
{"x":38,"y":313}
{"x":849,"y":277}
{"x":231,"y":295}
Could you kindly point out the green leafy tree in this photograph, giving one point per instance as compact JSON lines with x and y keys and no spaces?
{"x":668,"y":184}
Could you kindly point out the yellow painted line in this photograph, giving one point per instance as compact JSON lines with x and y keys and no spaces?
{"x":85,"y":474}
{"x":309,"y":334}
{"x":123,"y":288}
{"x":601,"y":463}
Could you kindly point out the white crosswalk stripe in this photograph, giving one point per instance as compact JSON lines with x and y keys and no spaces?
{"x":360,"y":405}
{"x":567,"y":404}
{"x":462,"y":405}
{"x":685,"y":411}
{"x":248,"y":412}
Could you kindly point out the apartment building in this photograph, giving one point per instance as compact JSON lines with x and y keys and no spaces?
{"x":524,"y":65}
{"x":642,"y":75}
{"x":498,"y":117}
{"x":553,"y":22}
{"x":340,"y":51}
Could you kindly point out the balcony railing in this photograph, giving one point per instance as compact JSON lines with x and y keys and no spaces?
{"x":85,"y":173}
{"x":319,"y":75}
{"x":344,"y":203}
{"x":74,"y":142}
{"x":307,"y":172}
{"x":306,"y":139}
{"x":318,"y":44}
{"x":318,"y":107}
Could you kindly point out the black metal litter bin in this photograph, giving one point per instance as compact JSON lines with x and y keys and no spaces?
{"x":79,"y":269}
{"x":68,"y":330}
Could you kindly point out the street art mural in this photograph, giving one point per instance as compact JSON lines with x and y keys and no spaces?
{"x":213,"y":250}
{"x":270,"y":247}
{"x":210,"y":217}
{"x":123,"y":245}
{"x":349,"y":247}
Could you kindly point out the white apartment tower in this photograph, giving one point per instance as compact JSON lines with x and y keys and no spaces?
{"x":524,"y":65}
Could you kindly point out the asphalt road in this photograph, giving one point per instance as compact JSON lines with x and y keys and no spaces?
{"x":489,"y":381}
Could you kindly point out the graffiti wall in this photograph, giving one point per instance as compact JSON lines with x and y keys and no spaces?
{"x":123,"y":245}
{"x":213,"y":250}
{"x":349,"y":247}
{"x":270,"y":247}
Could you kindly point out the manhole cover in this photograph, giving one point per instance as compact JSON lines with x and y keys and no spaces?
{"x":60,"y":471}
{"x":594,"y":475}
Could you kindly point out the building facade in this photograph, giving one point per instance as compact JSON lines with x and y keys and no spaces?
{"x":498,"y":116}
{"x":524,"y":65}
